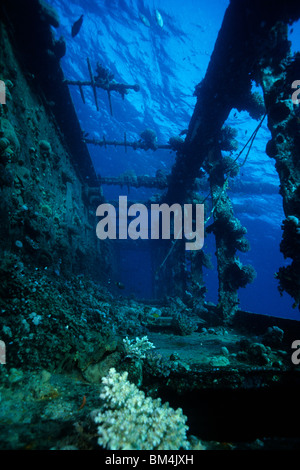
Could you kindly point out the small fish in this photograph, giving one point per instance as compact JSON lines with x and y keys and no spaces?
{"x":144,"y":20}
{"x":159,"y":19}
{"x":76,"y":26}
{"x":155,"y":313}
{"x":120,"y":285}
{"x":83,"y":403}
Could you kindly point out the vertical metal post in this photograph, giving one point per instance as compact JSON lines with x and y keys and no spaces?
{"x":93,"y":83}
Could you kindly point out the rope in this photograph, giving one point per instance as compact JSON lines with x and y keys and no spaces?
{"x":251,"y":140}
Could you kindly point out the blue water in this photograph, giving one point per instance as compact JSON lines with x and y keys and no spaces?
{"x":168,"y":63}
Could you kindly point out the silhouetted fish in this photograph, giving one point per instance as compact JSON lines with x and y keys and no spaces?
{"x":120,"y":285}
{"x":144,"y":20}
{"x":76,"y":26}
{"x":159,"y":19}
